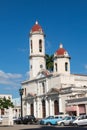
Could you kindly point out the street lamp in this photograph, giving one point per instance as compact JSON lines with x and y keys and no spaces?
{"x":21,"y":90}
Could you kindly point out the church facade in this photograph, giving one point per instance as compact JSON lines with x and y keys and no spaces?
{"x":51,"y":93}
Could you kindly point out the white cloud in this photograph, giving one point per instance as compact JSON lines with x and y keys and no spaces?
{"x":9,"y":75}
{"x":27,"y":75}
{"x":85,"y":66}
{"x":10,"y":79}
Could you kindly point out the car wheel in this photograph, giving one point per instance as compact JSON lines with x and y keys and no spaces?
{"x":48,"y":123}
{"x":28,"y":123}
{"x":76,"y":125}
{"x":62,"y":124}
{"x":70,"y":124}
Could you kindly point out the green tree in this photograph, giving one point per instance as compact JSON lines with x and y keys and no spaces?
{"x":49,"y":62}
{"x":5,"y":103}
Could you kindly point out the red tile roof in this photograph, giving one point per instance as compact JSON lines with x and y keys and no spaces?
{"x":61,"y":50}
{"x":36,"y":27}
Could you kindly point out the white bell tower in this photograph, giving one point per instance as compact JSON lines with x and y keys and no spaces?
{"x":37,"y":50}
{"x":61,"y":61}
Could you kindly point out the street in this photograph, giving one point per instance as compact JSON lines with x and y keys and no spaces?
{"x":37,"y":127}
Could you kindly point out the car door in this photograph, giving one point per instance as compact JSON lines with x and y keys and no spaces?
{"x":81,"y":120}
{"x":57,"y":118}
{"x":67,"y":121}
{"x":85,"y":119}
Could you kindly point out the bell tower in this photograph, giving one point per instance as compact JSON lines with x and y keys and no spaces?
{"x":37,"y":50}
{"x":61,"y":61}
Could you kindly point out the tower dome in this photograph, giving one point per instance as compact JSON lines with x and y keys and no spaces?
{"x":36,"y":28}
{"x":61,"y":61}
{"x":61,"y":51}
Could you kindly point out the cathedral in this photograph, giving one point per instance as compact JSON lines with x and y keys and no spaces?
{"x":51,"y":93}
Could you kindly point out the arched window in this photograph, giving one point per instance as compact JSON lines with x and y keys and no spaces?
{"x":25,"y":91}
{"x":31,"y":47}
{"x":43,"y":87}
{"x":40,"y":45}
{"x":31,"y":66}
{"x":41,"y":66}
{"x":66,"y":66}
{"x":56,"y":67}
{"x":2,"y":111}
{"x":32,"y":109}
{"x":43,"y":108}
{"x":56,"y":107}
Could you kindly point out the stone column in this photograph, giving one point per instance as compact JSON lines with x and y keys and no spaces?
{"x":77,"y":110}
{"x":35,"y":100}
{"x":46,"y":107}
{"x":86,"y":108}
{"x":60,"y":104}
{"x":50,"y":107}
{"x":40,"y":108}
{"x":37,"y":108}
{"x":28,"y":109}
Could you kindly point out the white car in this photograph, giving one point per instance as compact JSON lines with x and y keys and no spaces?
{"x":67,"y":120}
{"x":80,"y":121}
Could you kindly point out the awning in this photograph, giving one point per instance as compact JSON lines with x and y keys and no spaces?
{"x":82,"y":108}
{"x":71,"y":108}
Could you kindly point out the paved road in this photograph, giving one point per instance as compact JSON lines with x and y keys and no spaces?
{"x":38,"y":127}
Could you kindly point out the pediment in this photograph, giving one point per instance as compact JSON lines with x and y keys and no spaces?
{"x":40,"y":75}
{"x":30,"y":95}
{"x":53,"y":91}
{"x":43,"y":73}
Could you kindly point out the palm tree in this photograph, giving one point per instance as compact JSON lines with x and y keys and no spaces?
{"x":49,"y":62}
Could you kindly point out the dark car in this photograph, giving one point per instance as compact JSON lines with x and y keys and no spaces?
{"x":18,"y":120}
{"x":29,"y":119}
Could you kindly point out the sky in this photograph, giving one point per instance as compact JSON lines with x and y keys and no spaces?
{"x":63,"y":21}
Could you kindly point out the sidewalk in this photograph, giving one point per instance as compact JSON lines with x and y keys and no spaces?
{"x":19,"y":127}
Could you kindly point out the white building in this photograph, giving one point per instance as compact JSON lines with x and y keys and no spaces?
{"x":17,"y":107}
{"x":48,"y":93}
{"x":7,"y":114}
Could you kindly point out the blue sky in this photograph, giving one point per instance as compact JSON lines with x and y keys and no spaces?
{"x":63,"y":21}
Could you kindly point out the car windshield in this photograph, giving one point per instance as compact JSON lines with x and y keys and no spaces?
{"x":66,"y":118}
{"x":57,"y":117}
{"x":50,"y":117}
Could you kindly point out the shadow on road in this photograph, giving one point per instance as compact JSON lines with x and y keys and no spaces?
{"x":52,"y":128}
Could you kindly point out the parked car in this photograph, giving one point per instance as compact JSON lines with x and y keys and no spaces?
{"x":80,"y":121}
{"x":61,"y":115}
{"x":67,"y":120}
{"x":1,"y":119}
{"x":29,"y":119}
{"x":50,"y":120}
{"x":18,"y":120}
